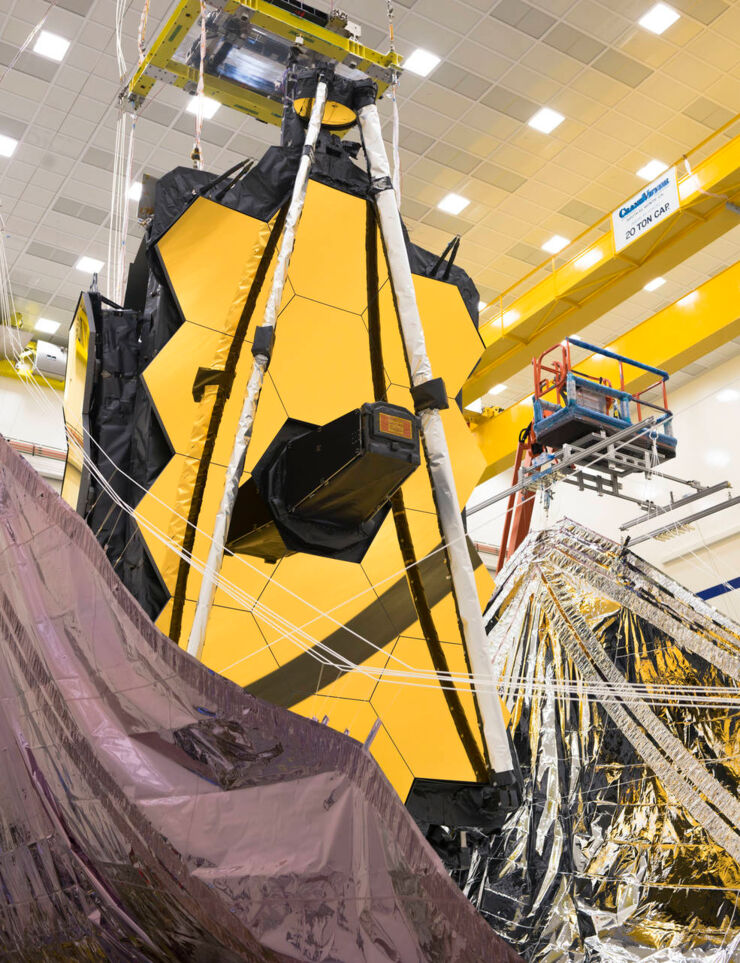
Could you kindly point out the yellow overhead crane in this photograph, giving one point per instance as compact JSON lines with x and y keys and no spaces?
{"x":671,"y":339}
{"x":553,"y":302}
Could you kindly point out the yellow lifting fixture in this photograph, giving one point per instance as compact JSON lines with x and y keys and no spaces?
{"x":249,"y":43}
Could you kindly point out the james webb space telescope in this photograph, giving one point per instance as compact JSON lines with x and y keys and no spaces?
{"x":317,"y":489}
{"x":277,"y":401}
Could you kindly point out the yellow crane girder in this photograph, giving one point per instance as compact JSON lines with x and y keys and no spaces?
{"x":671,"y":339}
{"x":554,"y":302}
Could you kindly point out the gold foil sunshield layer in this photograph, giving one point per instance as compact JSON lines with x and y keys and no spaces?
{"x":622,"y":689}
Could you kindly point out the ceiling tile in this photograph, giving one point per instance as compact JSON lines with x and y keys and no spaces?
{"x":708,"y":112}
{"x":447,"y":223}
{"x":481,"y":60}
{"x":499,"y":177}
{"x":421,"y":32}
{"x":691,"y":70}
{"x":704,"y":10}
{"x":411,"y":139}
{"x":425,"y":120}
{"x":472,"y":140}
{"x":575,"y":43}
{"x":491,"y":122}
{"x":445,"y":101}
{"x":509,"y":103}
{"x":525,"y":162}
{"x":526,"y":253}
{"x":592,"y":18}
{"x":81,"y":7}
{"x":717,"y":50}
{"x":502,"y":39}
{"x":607,"y":91}
{"x":647,"y":49}
{"x":532,"y":84}
{"x":443,"y":177}
{"x":450,"y":156}
{"x":528,"y":19}
{"x":458,"y":17}
{"x":461,"y":81}
{"x":622,"y":68}
{"x":552,"y":63}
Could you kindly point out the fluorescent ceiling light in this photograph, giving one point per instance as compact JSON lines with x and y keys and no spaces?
{"x":654,"y":284}
{"x":510,"y":317}
{"x":588,"y":259}
{"x":546,"y":120}
{"x":453,"y":204}
{"x":421,"y":62}
{"x":51,"y":46}
{"x":497,"y":389}
{"x":134,"y":192}
{"x":7,"y":145}
{"x":659,"y":18}
{"x":556,"y":243}
{"x":46,"y":326}
{"x":210,"y":106}
{"x":476,"y":405}
{"x":688,"y":299}
{"x":89,"y":265}
{"x":482,"y":305}
{"x":727,"y":395}
{"x":651,"y":170}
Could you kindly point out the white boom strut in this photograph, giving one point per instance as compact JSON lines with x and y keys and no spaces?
{"x":435,"y":443}
{"x":254,"y":385}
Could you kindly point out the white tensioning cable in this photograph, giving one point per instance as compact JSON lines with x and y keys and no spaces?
{"x":307,"y":643}
{"x":671,"y":696}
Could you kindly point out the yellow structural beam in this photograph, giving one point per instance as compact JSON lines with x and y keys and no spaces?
{"x":8,"y":370}
{"x":553,"y":302}
{"x":671,"y":339}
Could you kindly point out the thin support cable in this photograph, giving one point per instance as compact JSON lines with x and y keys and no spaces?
{"x":233,"y":591}
{"x":396,"y":176}
{"x":405,"y":678}
{"x":27,"y":42}
{"x":141,"y":38}
{"x":197,"y":153}
{"x":33,"y":386}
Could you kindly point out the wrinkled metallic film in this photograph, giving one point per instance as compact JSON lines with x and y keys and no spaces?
{"x":152,"y":811}
{"x":625,"y":846}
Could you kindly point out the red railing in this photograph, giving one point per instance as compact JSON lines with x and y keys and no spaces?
{"x":560,"y":370}
{"x":563,"y":365}
{"x":639,"y":401}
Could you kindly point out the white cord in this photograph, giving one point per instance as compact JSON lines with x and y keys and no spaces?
{"x":197,"y":154}
{"x":27,"y":42}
